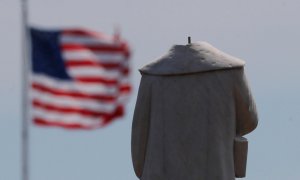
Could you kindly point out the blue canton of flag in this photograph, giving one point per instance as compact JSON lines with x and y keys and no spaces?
{"x":79,"y":78}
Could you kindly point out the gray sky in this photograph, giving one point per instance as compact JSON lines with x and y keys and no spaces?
{"x":263,"y":33}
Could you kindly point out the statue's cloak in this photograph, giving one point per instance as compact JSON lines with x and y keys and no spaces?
{"x":192,"y":103}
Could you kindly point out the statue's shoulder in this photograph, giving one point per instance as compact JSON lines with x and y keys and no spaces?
{"x":191,"y":58}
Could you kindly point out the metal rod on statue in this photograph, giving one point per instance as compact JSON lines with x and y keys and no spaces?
{"x":24,"y":93}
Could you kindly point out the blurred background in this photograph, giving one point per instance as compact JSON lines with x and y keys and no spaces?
{"x":263,"y":33}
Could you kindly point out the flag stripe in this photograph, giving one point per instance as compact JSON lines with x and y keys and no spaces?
{"x":98,"y":57}
{"x":94,"y":72}
{"x":86,"y":40}
{"x":40,"y":112}
{"x":61,"y":123}
{"x":68,"y":110}
{"x":97,"y":80}
{"x":72,"y":102}
{"x":67,"y":118}
{"x":62,"y":93}
{"x":125,"y":88}
{"x":103,"y":48}
{"x":91,"y":63}
{"x":71,"y":86}
{"x":86,"y":33}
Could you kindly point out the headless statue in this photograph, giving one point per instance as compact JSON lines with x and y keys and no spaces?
{"x":193,"y":107}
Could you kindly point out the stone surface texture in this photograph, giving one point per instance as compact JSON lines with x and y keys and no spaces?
{"x":192,"y":104}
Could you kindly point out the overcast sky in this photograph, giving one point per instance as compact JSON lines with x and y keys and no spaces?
{"x":263,"y":33}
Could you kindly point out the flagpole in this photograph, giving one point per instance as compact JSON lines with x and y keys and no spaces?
{"x":24,"y":93}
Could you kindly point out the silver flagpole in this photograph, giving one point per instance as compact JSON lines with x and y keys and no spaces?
{"x":24,"y":93}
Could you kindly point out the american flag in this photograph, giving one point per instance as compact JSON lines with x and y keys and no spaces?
{"x":79,"y":78}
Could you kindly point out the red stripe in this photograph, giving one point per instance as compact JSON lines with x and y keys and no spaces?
{"x":110,"y":48}
{"x":56,"y":92}
{"x":97,"y":80}
{"x":80,"y":111}
{"x":125,"y":71}
{"x":86,"y":33}
{"x":125,"y":88}
{"x":91,"y":63}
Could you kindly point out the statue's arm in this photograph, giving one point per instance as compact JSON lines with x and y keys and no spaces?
{"x":246,"y":121}
{"x":140,"y":126}
{"x":246,"y":115}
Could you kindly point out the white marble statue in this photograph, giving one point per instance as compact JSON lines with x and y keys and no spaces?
{"x":192,"y":104}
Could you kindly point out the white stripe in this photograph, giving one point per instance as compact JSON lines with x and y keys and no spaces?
{"x":121,"y":64}
{"x":124,"y":80}
{"x":65,"y":118}
{"x":71,"y":86}
{"x":123,"y":98}
{"x":68,"y":102}
{"x":88,"y":40}
{"x":99,"y":57}
{"x":112,"y":74}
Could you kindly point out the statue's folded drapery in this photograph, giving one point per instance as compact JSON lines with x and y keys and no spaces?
{"x":192,"y":103}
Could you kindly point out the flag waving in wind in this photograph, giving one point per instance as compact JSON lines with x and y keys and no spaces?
{"x":79,"y":78}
